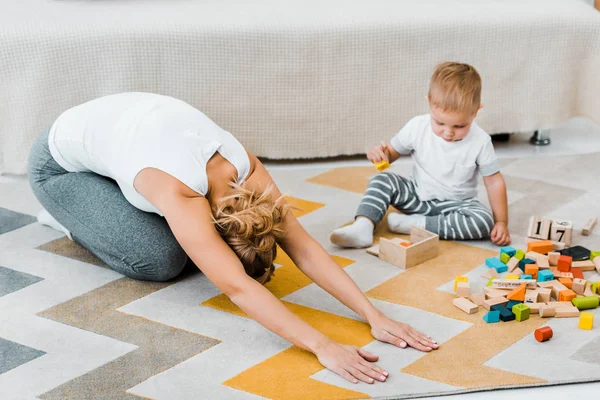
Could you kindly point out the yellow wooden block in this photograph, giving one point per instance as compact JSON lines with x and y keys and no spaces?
{"x":586,"y":320}
{"x":460,"y":279}
{"x":511,"y":276}
{"x":382,"y":165}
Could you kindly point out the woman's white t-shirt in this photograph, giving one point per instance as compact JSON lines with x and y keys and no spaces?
{"x":119,"y":135}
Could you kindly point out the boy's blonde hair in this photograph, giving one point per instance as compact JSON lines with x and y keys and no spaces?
{"x":252,"y":224}
{"x":455,"y":87}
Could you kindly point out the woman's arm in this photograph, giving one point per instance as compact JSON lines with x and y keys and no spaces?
{"x":317,"y":264}
{"x":189,"y":217}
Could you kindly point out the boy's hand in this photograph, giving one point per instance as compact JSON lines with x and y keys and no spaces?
{"x":500,"y":234}
{"x":379,"y":153}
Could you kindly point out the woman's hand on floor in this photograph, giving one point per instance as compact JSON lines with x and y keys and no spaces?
{"x":401,"y":335}
{"x":351,"y":363}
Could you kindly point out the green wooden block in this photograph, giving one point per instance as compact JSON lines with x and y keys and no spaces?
{"x":521,"y":312}
{"x":520,"y":254}
{"x":595,"y":287}
{"x":505,"y":258}
{"x":490,"y":282}
{"x":586,"y":303}
{"x":594,"y":254}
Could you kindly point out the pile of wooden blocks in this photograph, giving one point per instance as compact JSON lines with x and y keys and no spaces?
{"x":539,"y":281}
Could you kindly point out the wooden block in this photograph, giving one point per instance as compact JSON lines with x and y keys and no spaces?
{"x":579,"y":285}
{"x":542,"y":262}
{"x":586,"y":320}
{"x":490,"y":273}
{"x":513,"y":264}
{"x":463,"y":290}
{"x":546,"y":312}
{"x":458,"y":280}
{"x":531,"y":296}
{"x":566,"y":295}
{"x":577,"y":273}
{"x":564,"y":263}
{"x":589,"y":226}
{"x":558,"y":274}
{"x":556,"y":289}
{"x":425,"y":247}
{"x":597,"y":264}
{"x":542,"y":247}
{"x":478,"y":298}
{"x":521,"y":312}
{"x":491,"y":293}
{"x":557,"y":246}
{"x":567,"y":312}
{"x":553,"y":258}
{"x":586,"y":303}
{"x":382,"y":165}
{"x":374,"y":250}
{"x":489,"y":303}
{"x":535,"y":307}
{"x":568,"y":282}
{"x":539,"y":228}
{"x":512,"y":284}
{"x":547,"y":284}
{"x":544,"y":294}
{"x":561,"y":231}
{"x":543,"y":334}
{"x":559,"y":304}
{"x":511,"y":277}
{"x":465,"y":305}
{"x":532,"y":269}
{"x":518,"y":293}
{"x":586,"y":265}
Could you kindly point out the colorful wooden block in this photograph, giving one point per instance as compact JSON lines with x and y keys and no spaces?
{"x":589,"y":226}
{"x":525,"y":277}
{"x":542,"y":247}
{"x":465,"y":305}
{"x":521,"y":312}
{"x":520,"y":254}
{"x":463,"y":289}
{"x":568,"y":282}
{"x":543,"y":334}
{"x":564,"y":263}
{"x":539,"y":228}
{"x":586,"y":303}
{"x":518,"y":293}
{"x":512,"y":277}
{"x":492,"y":317}
{"x":553,"y":258}
{"x":545,"y":275}
{"x":594,"y":254}
{"x":382,"y":165}
{"x":577,"y":273}
{"x":586,"y":320}
{"x":525,"y":262}
{"x":505,"y":258}
{"x":511,"y":251}
{"x":512,"y":303}
{"x":505,"y":314}
{"x":495,"y":263}
{"x":566,"y":295}
{"x":459,"y":279}
{"x":561,"y":231}
{"x":532,"y":269}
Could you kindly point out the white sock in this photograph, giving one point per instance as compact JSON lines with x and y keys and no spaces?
{"x":45,"y":218}
{"x":401,"y":223}
{"x":357,"y":235}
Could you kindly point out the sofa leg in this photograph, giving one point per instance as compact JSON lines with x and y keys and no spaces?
{"x":541,"y":137}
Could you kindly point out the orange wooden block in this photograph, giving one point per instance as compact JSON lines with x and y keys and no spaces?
{"x":532,"y":269}
{"x":568,"y":282}
{"x":406,"y":244}
{"x":564,"y":263}
{"x":542,"y":247}
{"x":566,"y":295}
{"x":518,"y":293}
{"x":577,"y":273}
{"x":542,"y":334}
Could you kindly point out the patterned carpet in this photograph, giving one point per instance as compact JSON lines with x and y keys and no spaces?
{"x":71,"y":328}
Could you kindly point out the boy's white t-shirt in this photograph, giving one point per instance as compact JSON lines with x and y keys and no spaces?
{"x":119,"y":135}
{"x":446,"y":170}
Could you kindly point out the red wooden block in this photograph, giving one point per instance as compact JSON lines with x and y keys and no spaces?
{"x":568,"y":282}
{"x":542,"y":334}
{"x":564,"y":263}
{"x":577,"y":273}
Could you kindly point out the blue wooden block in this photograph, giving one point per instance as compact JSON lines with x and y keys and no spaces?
{"x":512,"y":303}
{"x":511,"y":251}
{"x":495,"y":263}
{"x":524,"y":262}
{"x":545,"y":275}
{"x":505,"y":314}
{"x":526,"y":277}
{"x":492,"y":316}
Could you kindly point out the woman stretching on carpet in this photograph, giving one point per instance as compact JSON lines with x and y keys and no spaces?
{"x":143,"y":181}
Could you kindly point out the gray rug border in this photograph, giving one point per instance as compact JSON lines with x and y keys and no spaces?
{"x":486,"y":389}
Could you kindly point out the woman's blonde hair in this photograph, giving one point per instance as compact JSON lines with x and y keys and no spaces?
{"x":252,"y":224}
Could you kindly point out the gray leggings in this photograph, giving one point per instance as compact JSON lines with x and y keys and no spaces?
{"x":132,"y":242}
{"x":451,"y":219}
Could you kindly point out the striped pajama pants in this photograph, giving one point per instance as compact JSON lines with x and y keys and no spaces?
{"x":450,"y":219}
